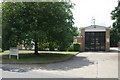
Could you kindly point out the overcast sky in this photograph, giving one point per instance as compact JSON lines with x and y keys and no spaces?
{"x":84,"y":10}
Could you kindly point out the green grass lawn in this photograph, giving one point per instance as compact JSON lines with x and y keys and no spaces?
{"x":27,"y":56}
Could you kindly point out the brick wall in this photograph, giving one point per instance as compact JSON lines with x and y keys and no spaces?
{"x":107,"y":39}
{"x":82,"y":47}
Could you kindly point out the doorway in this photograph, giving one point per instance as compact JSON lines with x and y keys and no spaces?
{"x":95,"y":41}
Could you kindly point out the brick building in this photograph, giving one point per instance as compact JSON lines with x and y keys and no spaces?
{"x":95,"y":38}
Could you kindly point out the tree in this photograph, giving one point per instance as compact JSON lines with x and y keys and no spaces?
{"x":0,"y":27}
{"x":37,"y":22}
{"x":114,"y":37}
{"x":115,"y":32}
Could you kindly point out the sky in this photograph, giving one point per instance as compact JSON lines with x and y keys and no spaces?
{"x":85,"y":10}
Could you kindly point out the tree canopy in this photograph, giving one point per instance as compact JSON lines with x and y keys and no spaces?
{"x":115,"y":31}
{"x":39,"y":22}
{"x":116,"y":16}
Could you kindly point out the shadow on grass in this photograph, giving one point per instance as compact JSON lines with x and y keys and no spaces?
{"x":40,"y":58}
{"x":73,"y":63}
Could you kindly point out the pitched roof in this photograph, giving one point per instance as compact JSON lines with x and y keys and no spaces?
{"x":95,"y":28}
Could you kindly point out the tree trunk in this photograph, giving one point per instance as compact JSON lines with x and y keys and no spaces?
{"x":36,"y":47}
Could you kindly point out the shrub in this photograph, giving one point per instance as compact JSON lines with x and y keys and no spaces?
{"x":71,"y":48}
{"x":76,"y":47}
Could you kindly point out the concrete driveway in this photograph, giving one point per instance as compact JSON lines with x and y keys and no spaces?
{"x":83,"y":65}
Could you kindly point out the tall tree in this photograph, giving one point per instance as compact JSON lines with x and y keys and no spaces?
{"x":115,"y":32}
{"x":36,"y":21}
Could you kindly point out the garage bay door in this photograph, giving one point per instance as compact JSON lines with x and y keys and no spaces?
{"x":95,"y":41}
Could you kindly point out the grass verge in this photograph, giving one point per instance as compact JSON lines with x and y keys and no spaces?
{"x":43,"y":57}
